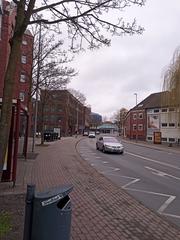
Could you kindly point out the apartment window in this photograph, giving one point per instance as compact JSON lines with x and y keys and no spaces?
{"x":22,"y":96}
{"x":149,"y":138}
{"x":164,"y":124}
{"x":24,"y":42}
{"x":164,"y":110}
{"x":171,"y":139}
{"x":171,"y":109}
{"x":23,"y":59}
{"x":164,"y":139}
{"x":156,"y":110}
{"x":134,"y":116}
{"x":22,"y":78}
{"x":134,"y":127}
{"x":140,"y":127}
{"x":140,"y":116}
{"x":171,"y":124}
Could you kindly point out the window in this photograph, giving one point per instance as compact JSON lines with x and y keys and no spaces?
{"x":140,"y":127}
{"x":134,"y":127}
{"x":171,"y":124}
{"x":22,"y":78}
{"x":171,"y":139}
{"x":140,"y":116}
{"x":22,"y":96}
{"x":149,"y":138}
{"x":24,"y":42}
{"x":164,"y":124}
{"x":23,"y":59}
{"x":171,"y":109}
{"x":156,"y":110}
{"x":134,"y":116}
{"x":164,"y":110}
{"x":164,"y":139}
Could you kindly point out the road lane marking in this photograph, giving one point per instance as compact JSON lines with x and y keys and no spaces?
{"x":160,"y":173}
{"x":171,"y":215}
{"x":155,"y":161}
{"x":130,"y":183}
{"x":166,"y":204}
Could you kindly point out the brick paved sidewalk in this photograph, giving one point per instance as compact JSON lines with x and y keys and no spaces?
{"x":101,"y":210}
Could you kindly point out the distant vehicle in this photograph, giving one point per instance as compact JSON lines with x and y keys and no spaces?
{"x":92,"y":135}
{"x":109,"y":144}
{"x":58,"y":132}
{"x":85,"y":133}
{"x":97,"y":132}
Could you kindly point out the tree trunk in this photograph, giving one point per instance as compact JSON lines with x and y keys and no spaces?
{"x":6,"y":112}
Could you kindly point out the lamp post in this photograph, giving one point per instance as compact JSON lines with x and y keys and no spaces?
{"x":136,"y":119}
{"x":37,"y":88}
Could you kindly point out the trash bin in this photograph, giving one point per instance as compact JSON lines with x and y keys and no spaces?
{"x":52,"y":214}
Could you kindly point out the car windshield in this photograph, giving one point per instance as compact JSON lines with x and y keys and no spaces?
{"x":111,"y":139}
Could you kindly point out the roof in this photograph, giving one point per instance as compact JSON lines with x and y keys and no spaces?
{"x":107,"y":126}
{"x":154,"y":100}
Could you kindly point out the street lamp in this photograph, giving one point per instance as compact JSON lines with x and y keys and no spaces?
{"x":136,"y":119}
{"x":136,"y":98}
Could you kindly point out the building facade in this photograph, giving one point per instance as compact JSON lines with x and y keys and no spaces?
{"x":22,"y":75}
{"x":152,"y":119}
{"x":95,"y":120}
{"x":60,"y":109}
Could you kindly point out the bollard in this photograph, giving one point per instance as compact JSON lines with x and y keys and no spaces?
{"x":28,"y":212}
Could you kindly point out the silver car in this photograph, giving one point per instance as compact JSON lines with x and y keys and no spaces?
{"x":109,"y":144}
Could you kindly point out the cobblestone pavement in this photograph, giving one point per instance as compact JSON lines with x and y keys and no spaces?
{"x":100,"y":209}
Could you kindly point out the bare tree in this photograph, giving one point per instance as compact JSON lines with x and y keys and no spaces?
{"x":48,"y":73}
{"x":78,"y":95}
{"x":172,"y":82}
{"x":83,"y":20}
{"x":119,"y":117}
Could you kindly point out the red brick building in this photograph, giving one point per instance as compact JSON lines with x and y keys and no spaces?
{"x":135,"y":124}
{"x":24,"y":65}
{"x":60,"y":109}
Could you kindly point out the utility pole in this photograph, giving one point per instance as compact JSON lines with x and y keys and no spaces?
{"x":136,"y":119}
{"x":37,"y":89}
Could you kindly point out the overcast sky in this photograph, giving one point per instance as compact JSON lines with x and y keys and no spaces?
{"x":109,"y":77}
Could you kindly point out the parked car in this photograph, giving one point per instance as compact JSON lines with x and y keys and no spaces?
{"x":85,"y":133}
{"x":97,"y":132}
{"x":109,"y":144}
{"x":92,"y":135}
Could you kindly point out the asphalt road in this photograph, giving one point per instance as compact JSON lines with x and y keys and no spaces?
{"x":151,"y":176}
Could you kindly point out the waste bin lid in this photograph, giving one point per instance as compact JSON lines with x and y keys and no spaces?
{"x":60,"y":192}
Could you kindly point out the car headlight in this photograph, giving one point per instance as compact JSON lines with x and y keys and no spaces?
{"x":107,"y":146}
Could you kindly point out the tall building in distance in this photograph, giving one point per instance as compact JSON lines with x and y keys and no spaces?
{"x":60,"y":109}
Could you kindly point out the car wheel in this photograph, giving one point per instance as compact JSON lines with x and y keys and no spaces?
{"x":97,"y":147}
{"x":121,"y":152}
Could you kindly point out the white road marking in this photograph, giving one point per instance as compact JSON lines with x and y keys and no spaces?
{"x":166,"y":204}
{"x":105,"y":162}
{"x":130,"y":183}
{"x":171,"y":215}
{"x":97,"y":157}
{"x":160,"y":173}
{"x":155,"y":161}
